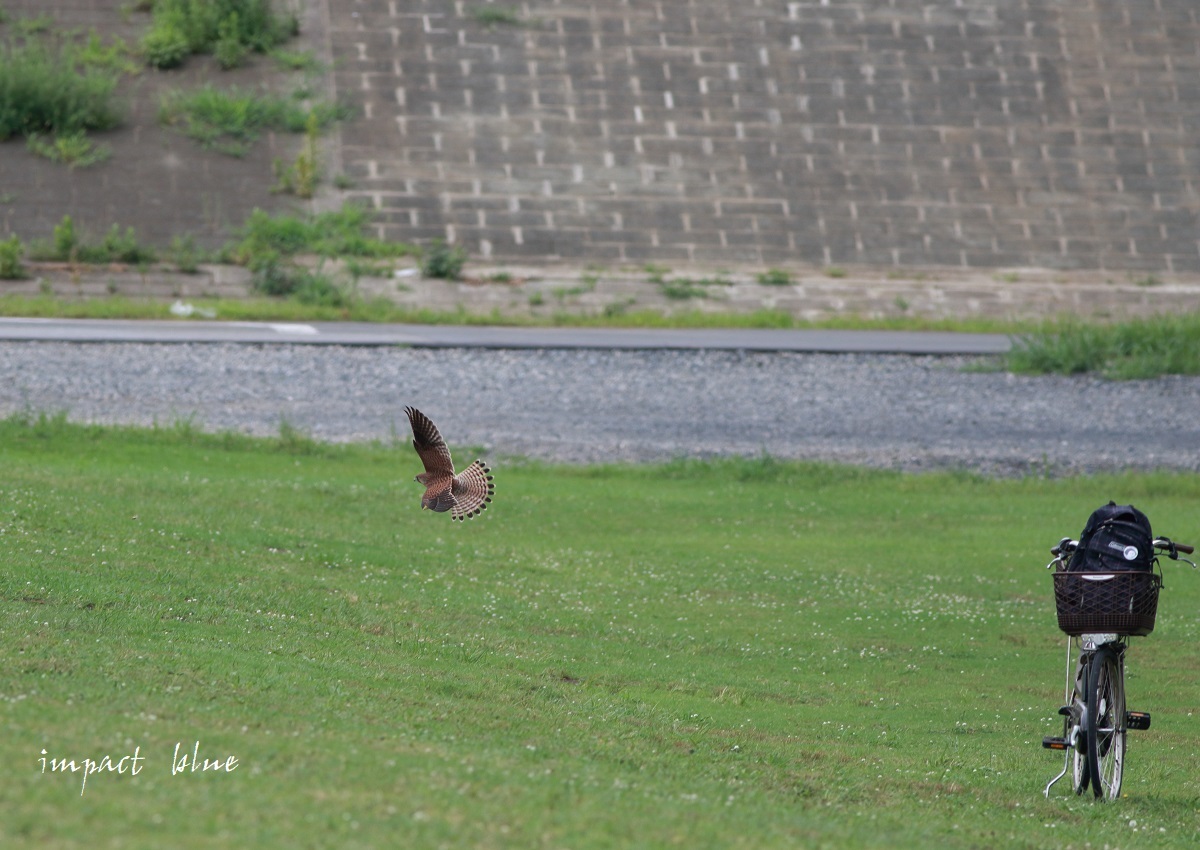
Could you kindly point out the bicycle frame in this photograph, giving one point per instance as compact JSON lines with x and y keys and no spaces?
{"x":1079,"y":669}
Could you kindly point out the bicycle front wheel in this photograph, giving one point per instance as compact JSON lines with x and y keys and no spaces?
{"x":1105,"y":723}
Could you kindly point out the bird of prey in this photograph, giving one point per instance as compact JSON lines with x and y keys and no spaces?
{"x":466,"y":494}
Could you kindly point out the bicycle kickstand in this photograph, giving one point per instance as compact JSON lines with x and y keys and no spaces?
{"x":1066,"y":765}
{"x":1064,"y":743}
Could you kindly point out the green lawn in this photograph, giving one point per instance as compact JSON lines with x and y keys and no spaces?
{"x":733,"y":654}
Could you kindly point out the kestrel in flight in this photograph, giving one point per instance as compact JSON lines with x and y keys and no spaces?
{"x":464,"y":495}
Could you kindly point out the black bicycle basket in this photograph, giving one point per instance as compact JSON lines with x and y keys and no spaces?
{"x":1123,"y":603}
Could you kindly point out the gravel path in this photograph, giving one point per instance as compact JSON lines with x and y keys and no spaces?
{"x":592,"y":406}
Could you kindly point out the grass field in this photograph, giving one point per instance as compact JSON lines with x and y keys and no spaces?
{"x":729,"y":654}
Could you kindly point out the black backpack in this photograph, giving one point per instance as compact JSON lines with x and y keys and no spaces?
{"x":1116,"y":537}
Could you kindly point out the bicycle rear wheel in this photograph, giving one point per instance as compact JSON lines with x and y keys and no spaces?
{"x":1104,"y":723}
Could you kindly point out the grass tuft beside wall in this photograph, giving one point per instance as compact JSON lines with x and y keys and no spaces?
{"x":1139,"y":348}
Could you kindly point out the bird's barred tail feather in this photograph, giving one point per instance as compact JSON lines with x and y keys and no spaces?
{"x":473,"y":489}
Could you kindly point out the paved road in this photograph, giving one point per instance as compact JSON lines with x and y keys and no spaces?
{"x":449,"y":336}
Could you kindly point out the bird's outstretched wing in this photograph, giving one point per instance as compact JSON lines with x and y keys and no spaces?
{"x":430,"y":446}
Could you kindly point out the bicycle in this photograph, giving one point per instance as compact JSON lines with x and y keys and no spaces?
{"x":1100,"y":611}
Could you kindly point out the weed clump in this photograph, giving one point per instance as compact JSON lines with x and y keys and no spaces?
{"x":269,"y":244}
{"x":116,"y":246}
{"x":443,"y":261}
{"x":230,"y":120}
{"x":775,"y":277}
{"x":165,"y":47}
{"x":301,"y":176}
{"x":228,"y":29}
{"x":683,"y":288}
{"x":492,"y":16}
{"x":331,"y":234}
{"x":47,"y":90}
{"x":275,"y":277}
{"x":75,"y":149}
{"x":11,"y":251}
{"x":184,"y":254}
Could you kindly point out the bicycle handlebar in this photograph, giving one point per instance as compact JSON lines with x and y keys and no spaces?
{"x":1064,"y":546}
{"x":1163,"y":545}
{"x":1171,"y":548}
